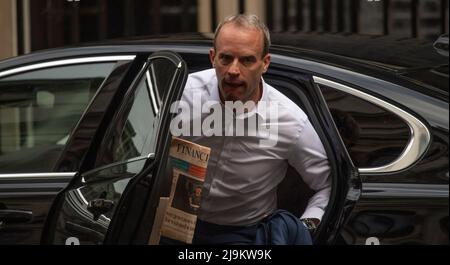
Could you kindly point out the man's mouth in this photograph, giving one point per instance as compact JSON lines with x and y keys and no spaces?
{"x":233,"y":84}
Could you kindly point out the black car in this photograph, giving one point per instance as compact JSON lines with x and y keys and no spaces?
{"x":85,"y":133}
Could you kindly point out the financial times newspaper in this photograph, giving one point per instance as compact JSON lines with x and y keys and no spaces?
{"x":189,"y":161}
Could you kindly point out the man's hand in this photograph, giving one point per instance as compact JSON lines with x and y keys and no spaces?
{"x":311,"y":223}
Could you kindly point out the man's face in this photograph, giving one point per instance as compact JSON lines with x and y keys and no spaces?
{"x":239,"y":64}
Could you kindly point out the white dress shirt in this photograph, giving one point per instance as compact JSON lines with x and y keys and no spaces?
{"x":241,"y":182}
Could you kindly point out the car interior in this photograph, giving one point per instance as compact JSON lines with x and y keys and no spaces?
{"x":40,"y":120}
{"x":293,"y":193}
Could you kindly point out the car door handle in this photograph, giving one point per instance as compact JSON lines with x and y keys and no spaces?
{"x":100,"y":206}
{"x":15,"y":216}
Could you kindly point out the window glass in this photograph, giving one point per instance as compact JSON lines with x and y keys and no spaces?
{"x":39,"y":109}
{"x":373,"y":136}
{"x":138,"y":128}
{"x":133,"y":137}
{"x":159,"y":76}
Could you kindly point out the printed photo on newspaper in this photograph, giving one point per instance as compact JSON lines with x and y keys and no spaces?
{"x":189,"y":161}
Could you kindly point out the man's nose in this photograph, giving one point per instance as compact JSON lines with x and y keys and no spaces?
{"x":234,"y":68}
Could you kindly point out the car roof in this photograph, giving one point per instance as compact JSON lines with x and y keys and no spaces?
{"x":412,"y":60}
{"x":391,"y":52}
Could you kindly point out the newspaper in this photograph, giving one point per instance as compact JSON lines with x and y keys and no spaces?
{"x":189,"y":161}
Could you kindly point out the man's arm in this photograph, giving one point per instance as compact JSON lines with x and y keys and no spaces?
{"x":308,"y":157}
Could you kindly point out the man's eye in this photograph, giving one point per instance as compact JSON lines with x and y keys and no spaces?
{"x":225,"y":59}
{"x":248,"y":60}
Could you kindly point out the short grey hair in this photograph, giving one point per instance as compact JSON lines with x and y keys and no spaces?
{"x":247,"y":21}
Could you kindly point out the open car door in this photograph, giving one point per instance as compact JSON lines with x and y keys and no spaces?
{"x":105,"y":200}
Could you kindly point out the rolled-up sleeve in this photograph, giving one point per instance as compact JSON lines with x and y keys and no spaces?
{"x":307,"y":155}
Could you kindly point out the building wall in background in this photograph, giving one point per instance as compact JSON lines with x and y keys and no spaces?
{"x":39,"y":24}
{"x":8,"y":29}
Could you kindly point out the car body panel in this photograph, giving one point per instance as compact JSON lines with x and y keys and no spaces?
{"x":414,"y":214}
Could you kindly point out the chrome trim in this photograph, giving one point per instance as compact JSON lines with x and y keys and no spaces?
{"x":417,"y":144}
{"x":38,"y":175}
{"x":155,"y":87}
{"x":81,"y":196}
{"x":67,"y":62}
{"x":384,"y":190}
{"x":152,"y":92}
{"x":134,"y":159}
{"x":79,"y":204}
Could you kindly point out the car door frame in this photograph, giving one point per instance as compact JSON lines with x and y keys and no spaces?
{"x":89,"y":158}
{"x":346,"y":183}
{"x":133,"y":221}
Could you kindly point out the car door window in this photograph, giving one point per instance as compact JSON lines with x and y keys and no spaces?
{"x":39,"y":109}
{"x":129,"y":143}
{"x":132,"y":137}
{"x":88,"y":210}
{"x":372,"y":135}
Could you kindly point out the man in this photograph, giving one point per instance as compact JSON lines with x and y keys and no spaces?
{"x":239,"y":194}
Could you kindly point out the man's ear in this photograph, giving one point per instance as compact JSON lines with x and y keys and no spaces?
{"x":212,"y":54}
{"x":266,"y":62}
